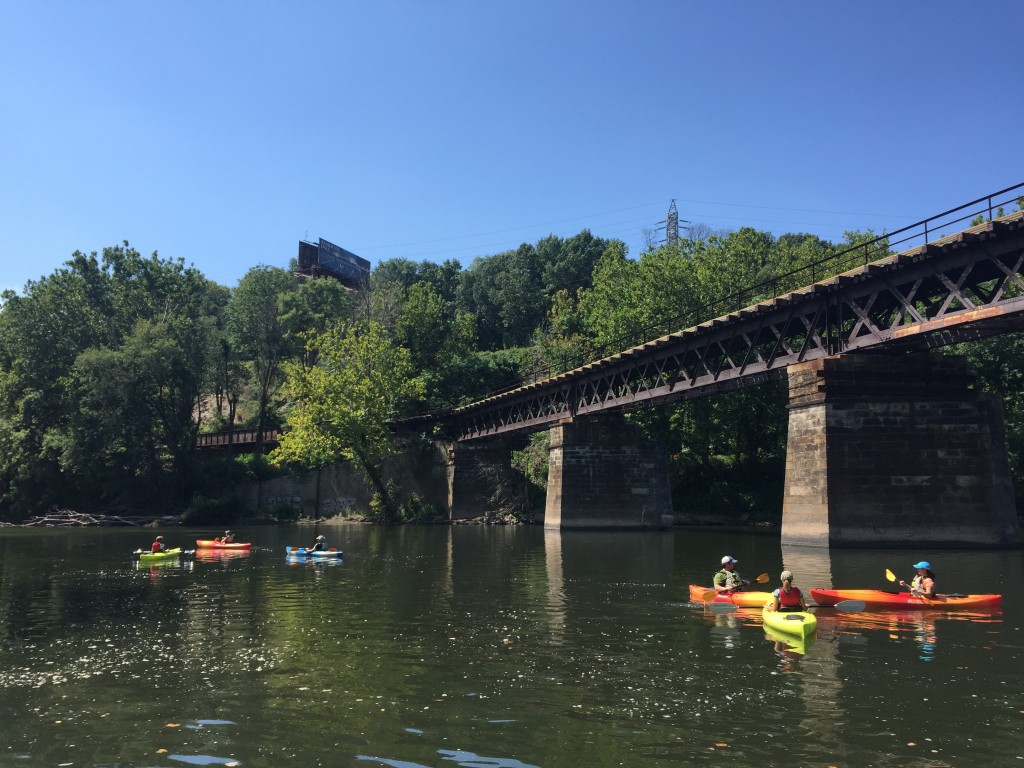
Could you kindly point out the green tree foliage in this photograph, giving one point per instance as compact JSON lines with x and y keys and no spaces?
{"x":999,"y":365}
{"x":256,"y":331}
{"x":56,"y":339}
{"x":441,"y":342}
{"x":313,"y":307}
{"x":343,"y":405}
{"x":509,"y":293}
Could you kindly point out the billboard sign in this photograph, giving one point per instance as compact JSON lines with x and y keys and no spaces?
{"x":344,"y":264}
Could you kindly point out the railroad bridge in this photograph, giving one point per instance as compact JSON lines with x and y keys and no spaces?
{"x":888,"y":441}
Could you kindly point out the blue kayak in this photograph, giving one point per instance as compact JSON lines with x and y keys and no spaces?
{"x":317,"y":555}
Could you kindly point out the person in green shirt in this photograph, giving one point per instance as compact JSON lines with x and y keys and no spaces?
{"x":728,"y":579}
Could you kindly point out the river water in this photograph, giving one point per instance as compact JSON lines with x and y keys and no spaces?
{"x":489,"y":647}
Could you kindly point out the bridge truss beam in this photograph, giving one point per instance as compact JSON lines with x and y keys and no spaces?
{"x":967,"y":286}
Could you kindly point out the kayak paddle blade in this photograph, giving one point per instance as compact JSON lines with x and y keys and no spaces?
{"x":889,"y":575}
{"x":763,"y":578}
{"x":851,"y":606}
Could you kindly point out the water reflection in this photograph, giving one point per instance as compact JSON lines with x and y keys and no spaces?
{"x":401,"y":651}
{"x":553,"y":569}
{"x":811,"y":566}
{"x":223,"y":556}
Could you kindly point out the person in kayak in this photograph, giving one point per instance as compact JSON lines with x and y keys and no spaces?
{"x":923,"y":584}
{"x":319,"y":545}
{"x":228,"y":538}
{"x":728,"y":579}
{"x":158,"y":545}
{"x":787,"y":597}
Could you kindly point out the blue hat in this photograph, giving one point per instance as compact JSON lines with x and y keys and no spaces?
{"x":923,"y":564}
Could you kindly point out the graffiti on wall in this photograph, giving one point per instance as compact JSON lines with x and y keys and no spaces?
{"x":338,"y":505}
{"x":295,"y":502}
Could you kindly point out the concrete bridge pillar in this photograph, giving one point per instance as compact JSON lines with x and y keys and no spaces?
{"x":603,"y":473}
{"x":478,"y":476}
{"x":895,"y":451}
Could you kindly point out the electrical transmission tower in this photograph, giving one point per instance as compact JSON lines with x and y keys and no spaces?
{"x":672,"y":225}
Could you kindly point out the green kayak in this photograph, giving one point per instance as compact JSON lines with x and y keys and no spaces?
{"x":156,"y":557}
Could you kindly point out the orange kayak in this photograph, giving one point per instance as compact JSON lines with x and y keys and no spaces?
{"x":877,"y":598}
{"x":741,"y":599}
{"x":210,"y":544}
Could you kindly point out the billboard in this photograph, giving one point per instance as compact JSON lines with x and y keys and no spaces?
{"x":335,"y":260}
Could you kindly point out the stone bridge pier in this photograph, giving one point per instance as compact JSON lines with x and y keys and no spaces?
{"x":480,"y":476}
{"x":895,"y":452}
{"x":602,"y":473}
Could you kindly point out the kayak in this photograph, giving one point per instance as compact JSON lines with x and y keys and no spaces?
{"x":319,"y":554}
{"x":156,"y":557}
{"x":799,"y":623}
{"x":877,"y":598}
{"x":210,"y":544}
{"x":740,"y":599}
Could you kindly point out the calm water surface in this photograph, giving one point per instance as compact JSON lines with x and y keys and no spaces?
{"x":489,"y":647}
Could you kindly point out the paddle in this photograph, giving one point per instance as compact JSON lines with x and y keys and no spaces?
{"x":890,"y":576}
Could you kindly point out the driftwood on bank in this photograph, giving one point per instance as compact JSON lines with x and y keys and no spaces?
{"x":67,"y":518}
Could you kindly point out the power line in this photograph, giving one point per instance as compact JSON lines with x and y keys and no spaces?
{"x":635,"y":207}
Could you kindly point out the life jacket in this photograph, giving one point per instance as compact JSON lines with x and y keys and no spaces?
{"x":918,"y":583}
{"x":318,"y":546}
{"x":788,"y":600}
{"x":158,"y":546}
{"x":728,"y":579}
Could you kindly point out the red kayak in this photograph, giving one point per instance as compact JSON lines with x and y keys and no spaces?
{"x":876,"y":598}
{"x":210,"y":544}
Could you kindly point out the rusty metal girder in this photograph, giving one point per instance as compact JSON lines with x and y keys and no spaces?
{"x":963,"y":287}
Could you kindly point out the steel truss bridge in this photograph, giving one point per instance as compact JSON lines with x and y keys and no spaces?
{"x":941,"y":289}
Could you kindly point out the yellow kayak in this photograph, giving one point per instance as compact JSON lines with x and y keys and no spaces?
{"x":799,"y":623}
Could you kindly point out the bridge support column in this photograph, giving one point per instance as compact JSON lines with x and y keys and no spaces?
{"x":478,"y":475}
{"x":895,"y":451}
{"x":603,"y":473}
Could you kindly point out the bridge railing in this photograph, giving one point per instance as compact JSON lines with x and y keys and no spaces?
{"x":237,"y":437}
{"x":920,"y":233}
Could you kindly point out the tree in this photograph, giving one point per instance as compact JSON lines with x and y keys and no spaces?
{"x":67,"y":343}
{"x":342,"y":406}
{"x":132,"y":437}
{"x":312,"y":308}
{"x":441,"y":342}
{"x":255,"y":330}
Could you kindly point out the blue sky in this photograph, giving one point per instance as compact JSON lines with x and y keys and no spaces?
{"x":225,"y":132}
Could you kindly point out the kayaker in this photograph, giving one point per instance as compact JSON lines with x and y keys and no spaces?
{"x":158,"y":545}
{"x":320,"y":544}
{"x":923,"y":584}
{"x":228,"y":538}
{"x":787,"y":597}
{"x":728,"y":579}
